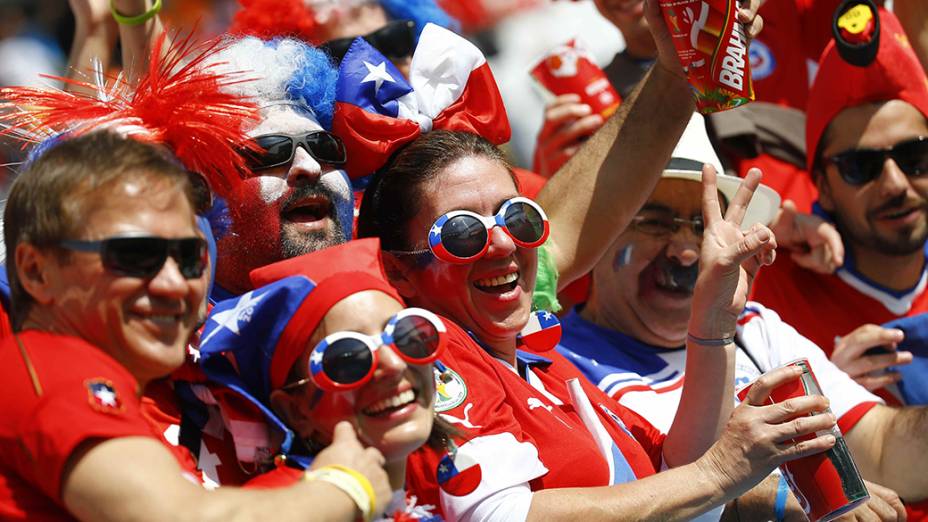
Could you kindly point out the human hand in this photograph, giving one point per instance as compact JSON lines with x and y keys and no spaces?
{"x":761,"y":436}
{"x":346,"y":450}
{"x":729,"y":258}
{"x":567,"y":124}
{"x":851,"y":357}
{"x":815,"y":244}
{"x":884,"y":505}
{"x":667,"y":53}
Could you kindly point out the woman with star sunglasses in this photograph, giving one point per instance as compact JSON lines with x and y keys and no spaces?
{"x":540,"y":441}
{"x":328,"y":340}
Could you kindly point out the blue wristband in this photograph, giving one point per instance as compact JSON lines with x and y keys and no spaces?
{"x":779,"y":507}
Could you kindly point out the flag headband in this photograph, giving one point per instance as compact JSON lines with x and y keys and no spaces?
{"x":450,"y":87}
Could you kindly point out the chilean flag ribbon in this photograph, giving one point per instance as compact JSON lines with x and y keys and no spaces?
{"x":450,"y":87}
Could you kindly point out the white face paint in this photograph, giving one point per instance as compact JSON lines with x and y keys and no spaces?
{"x":272,"y":188}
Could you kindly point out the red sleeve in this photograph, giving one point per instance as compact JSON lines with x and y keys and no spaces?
{"x":6,"y":329}
{"x":85,"y":395}
{"x":853,"y":416}
{"x":279,"y":477}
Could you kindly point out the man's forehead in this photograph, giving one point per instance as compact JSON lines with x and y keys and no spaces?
{"x":285,"y":119}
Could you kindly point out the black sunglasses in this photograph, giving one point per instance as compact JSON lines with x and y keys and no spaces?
{"x":278,"y":149}
{"x":395,"y":40}
{"x":143,"y":256}
{"x":860,"y":166}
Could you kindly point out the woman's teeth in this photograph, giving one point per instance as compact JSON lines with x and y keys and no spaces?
{"x":491,"y":282}
{"x":397,"y":401}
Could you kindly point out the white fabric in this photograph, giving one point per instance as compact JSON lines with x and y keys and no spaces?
{"x":505,"y":463}
{"x":507,"y":505}
{"x":441,"y":67}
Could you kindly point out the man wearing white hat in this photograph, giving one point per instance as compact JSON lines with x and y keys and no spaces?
{"x":629,"y":338}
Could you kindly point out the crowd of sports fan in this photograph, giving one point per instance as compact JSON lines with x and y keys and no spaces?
{"x":290,"y":272}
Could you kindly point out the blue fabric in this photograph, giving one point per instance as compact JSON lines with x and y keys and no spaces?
{"x":780,"y":502}
{"x":421,"y":12}
{"x":583,"y":342}
{"x":914,"y":384}
{"x":248,"y":328}
{"x":205,"y":226}
{"x":4,"y":288}
{"x":352,"y":88}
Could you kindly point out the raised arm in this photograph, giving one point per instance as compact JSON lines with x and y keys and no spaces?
{"x":593,"y":197}
{"x":95,"y":34}
{"x":137,"y":40}
{"x":914,"y":17}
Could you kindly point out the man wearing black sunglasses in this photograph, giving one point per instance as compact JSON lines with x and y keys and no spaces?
{"x":107,"y":267}
{"x":867,"y":137}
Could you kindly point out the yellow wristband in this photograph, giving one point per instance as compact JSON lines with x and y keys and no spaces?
{"x":354,"y":484}
{"x":135,"y":20}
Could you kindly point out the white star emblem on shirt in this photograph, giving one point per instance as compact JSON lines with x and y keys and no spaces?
{"x":107,"y":398}
{"x":230,"y":318}
{"x":377,"y":74}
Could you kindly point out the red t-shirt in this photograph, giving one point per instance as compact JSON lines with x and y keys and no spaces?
{"x":522,"y":426}
{"x":55,"y":393}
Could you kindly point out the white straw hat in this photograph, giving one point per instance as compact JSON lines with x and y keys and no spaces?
{"x":694,"y":149}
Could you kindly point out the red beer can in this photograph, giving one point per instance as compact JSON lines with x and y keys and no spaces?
{"x":568,"y":69}
{"x":826,"y":484}
{"x":713,"y":48}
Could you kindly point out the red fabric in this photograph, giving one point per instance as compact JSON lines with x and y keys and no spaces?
{"x":498,"y":401}
{"x":896,"y":73}
{"x":853,"y":416}
{"x":6,"y":329}
{"x":339,"y":272}
{"x":530,"y":183}
{"x":821,"y":307}
{"x":268,"y":19}
{"x":370,"y":138}
{"x":790,"y":181}
{"x":39,"y":433}
{"x":279,"y":477}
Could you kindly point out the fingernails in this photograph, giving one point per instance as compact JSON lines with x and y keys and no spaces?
{"x":585,"y":109}
{"x":830,"y":439}
{"x":744,"y":15}
{"x":763,"y":235}
{"x":898,"y":335}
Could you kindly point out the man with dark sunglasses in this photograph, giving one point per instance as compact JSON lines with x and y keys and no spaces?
{"x":108,"y":274}
{"x":867,"y":136}
{"x":629,"y":338}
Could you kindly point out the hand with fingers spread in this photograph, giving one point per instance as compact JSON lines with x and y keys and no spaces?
{"x":729,"y":259}
{"x":867,"y":352}
{"x":884,"y":506}
{"x":346,"y":450}
{"x":568,"y":123}
{"x":814,"y":243}
{"x":760,"y":436}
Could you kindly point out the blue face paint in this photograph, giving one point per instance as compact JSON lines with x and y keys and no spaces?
{"x":622,"y":257}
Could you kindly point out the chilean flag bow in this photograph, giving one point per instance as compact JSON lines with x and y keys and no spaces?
{"x":377,"y":111}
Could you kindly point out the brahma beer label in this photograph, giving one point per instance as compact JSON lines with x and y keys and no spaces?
{"x":713,"y":48}
{"x":569,"y":69}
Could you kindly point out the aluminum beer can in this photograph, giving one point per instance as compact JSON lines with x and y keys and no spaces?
{"x":569,"y":69}
{"x":713,"y":49}
{"x":826,"y":484}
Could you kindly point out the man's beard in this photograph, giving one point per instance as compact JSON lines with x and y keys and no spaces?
{"x":898,"y":246}
{"x":293,"y":244}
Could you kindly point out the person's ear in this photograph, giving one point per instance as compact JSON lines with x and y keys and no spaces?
{"x":287,"y":407}
{"x":399,"y":271}
{"x":33,"y":269}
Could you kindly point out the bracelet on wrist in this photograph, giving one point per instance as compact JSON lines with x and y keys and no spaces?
{"x":723,"y":341}
{"x":138,"y":19}
{"x":352,"y":483}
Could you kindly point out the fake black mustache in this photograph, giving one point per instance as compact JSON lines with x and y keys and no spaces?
{"x":673,"y":276}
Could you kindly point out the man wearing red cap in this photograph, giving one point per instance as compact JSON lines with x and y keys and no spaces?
{"x":867,"y":147}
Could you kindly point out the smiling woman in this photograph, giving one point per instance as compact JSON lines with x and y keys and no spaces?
{"x":323,"y":340}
